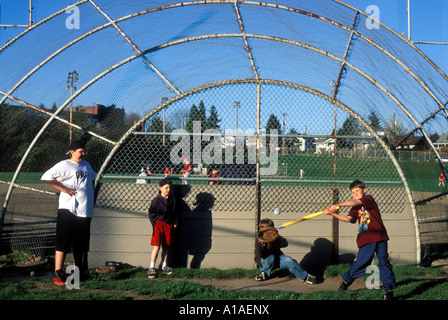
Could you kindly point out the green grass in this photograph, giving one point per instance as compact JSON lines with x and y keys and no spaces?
{"x":421,"y":176}
{"x":414,"y":283}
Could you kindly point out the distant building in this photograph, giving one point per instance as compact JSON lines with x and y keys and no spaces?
{"x":324,"y":145}
{"x":102,"y":114}
{"x":442,"y":141}
{"x":410,"y":143}
{"x":305,"y":143}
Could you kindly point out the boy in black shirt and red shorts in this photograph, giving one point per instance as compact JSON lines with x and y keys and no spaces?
{"x":163,"y":217}
{"x":372,"y":238}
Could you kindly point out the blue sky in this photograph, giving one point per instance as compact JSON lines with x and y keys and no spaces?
{"x":428,"y":20}
{"x":429,"y":23}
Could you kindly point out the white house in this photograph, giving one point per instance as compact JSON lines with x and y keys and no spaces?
{"x":324,"y":145}
{"x":442,"y":141}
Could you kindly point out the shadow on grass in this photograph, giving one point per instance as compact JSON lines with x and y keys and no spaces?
{"x":415,"y":288}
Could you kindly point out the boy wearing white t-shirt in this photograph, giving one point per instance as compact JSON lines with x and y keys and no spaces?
{"x":74,"y":178}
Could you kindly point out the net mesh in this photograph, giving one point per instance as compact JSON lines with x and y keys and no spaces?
{"x":347,"y":102}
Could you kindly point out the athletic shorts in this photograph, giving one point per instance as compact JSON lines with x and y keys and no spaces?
{"x":72,"y":232}
{"x":162,"y":234}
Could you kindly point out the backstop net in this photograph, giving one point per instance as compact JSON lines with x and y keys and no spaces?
{"x":317,"y":95}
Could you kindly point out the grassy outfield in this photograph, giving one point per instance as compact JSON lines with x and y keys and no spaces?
{"x":421,"y":176}
{"x":414,"y":283}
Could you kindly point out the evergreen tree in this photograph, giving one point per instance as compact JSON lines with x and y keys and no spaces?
{"x":202,"y":115}
{"x":213,"y":119}
{"x":374,"y":120}
{"x":192,"y":116}
{"x":273,"y":123}
{"x":156,"y":125}
{"x":350,"y":127}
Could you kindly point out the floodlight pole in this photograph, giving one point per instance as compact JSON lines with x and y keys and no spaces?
{"x":409,"y":20}
{"x":164,"y":99}
{"x":236,"y":105}
{"x":72,"y":80}
{"x":284,"y":131}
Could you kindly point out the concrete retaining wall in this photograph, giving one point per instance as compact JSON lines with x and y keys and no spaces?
{"x":217,"y":227}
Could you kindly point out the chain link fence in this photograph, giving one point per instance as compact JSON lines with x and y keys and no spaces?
{"x":259,"y":129}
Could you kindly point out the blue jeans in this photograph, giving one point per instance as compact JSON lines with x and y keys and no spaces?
{"x":364,"y":259}
{"x":285,"y":262}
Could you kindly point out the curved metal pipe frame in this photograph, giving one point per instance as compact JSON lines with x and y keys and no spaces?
{"x":244,"y":36}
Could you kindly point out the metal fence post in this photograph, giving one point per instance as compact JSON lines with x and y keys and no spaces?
{"x":335,"y":231}
{"x":257,"y":171}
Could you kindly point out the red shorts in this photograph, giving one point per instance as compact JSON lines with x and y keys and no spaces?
{"x":162,"y":234}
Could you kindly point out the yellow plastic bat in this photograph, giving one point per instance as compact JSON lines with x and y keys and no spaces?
{"x":310,"y":216}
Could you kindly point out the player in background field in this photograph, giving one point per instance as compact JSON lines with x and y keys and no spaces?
{"x":214,"y":175}
{"x":441,"y":180}
{"x":186,"y":171}
{"x":167,"y":171}
{"x":144,"y":172}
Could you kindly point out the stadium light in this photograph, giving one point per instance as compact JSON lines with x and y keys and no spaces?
{"x":72,"y":81}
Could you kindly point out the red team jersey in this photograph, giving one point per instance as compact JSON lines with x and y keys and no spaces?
{"x":371,"y":227}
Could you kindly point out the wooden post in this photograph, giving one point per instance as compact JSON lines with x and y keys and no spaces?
{"x":335,"y":231}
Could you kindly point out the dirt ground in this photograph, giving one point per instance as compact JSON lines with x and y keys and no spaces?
{"x":282,"y":283}
{"x":290,"y":283}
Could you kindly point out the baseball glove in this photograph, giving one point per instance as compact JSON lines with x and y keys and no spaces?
{"x":268,"y":235}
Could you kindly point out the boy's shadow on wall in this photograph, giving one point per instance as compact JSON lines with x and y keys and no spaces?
{"x":194,"y":232}
{"x":320,"y":257}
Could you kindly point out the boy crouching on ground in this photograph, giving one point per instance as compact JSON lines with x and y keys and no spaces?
{"x":269,"y":256}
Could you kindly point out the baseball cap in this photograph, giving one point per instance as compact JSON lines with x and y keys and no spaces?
{"x":75,"y":145}
{"x":164,"y":182}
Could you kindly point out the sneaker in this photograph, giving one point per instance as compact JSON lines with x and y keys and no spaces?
{"x":262,"y":276}
{"x":310,"y":279}
{"x":152,"y":273}
{"x":59,"y":278}
{"x":167,"y":270}
{"x":389,"y":295}
{"x":343,"y":286}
